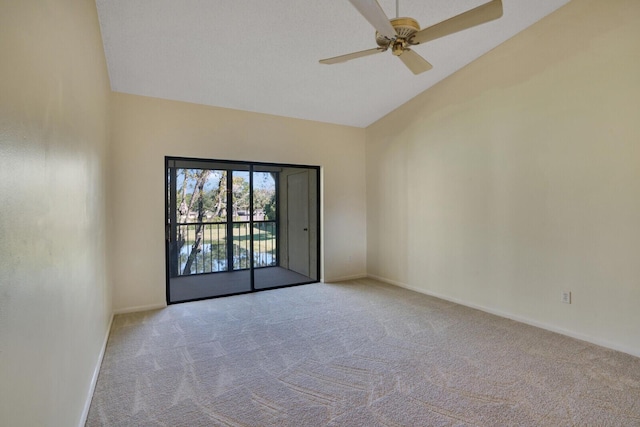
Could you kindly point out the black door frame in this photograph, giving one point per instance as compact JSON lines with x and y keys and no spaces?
{"x":170,"y":217}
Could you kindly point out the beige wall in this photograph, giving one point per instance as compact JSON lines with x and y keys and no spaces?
{"x":55,"y":303}
{"x":519,"y":177}
{"x":146,"y":129}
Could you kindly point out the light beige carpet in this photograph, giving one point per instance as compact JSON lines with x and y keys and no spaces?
{"x":355,"y":354}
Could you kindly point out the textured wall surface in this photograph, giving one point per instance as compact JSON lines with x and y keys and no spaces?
{"x":518,"y":178}
{"x":55,"y":302}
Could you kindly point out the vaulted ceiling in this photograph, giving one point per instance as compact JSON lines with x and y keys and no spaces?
{"x":262,"y":55}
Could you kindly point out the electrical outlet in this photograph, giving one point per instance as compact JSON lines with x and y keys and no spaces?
{"x":566,"y":297}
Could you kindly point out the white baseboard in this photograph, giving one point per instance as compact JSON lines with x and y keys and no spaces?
{"x":345,"y":278}
{"x":139,"y":308}
{"x":517,"y":318}
{"x":94,"y":377}
{"x":392,"y":282}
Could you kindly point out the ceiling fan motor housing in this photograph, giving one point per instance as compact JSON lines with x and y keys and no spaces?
{"x":405,"y":27}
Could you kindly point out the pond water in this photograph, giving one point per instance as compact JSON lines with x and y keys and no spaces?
{"x":212,"y":258}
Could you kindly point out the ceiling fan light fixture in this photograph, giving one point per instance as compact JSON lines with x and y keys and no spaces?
{"x":398,"y":47}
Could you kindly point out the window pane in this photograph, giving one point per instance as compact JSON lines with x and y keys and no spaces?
{"x":240,"y":196}
{"x":201,"y":210}
{"x":264,"y":196}
{"x":201,"y":195}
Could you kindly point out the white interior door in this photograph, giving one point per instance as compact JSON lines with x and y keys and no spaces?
{"x":298,"y":224}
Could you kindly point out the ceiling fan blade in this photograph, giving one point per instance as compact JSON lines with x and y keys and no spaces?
{"x":350,"y":56}
{"x":373,"y":13}
{"x":481,"y":14}
{"x":416,"y":63}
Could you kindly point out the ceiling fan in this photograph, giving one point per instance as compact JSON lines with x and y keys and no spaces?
{"x":400,"y":33}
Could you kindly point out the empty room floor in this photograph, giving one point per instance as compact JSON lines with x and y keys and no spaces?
{"x":353,"y":354}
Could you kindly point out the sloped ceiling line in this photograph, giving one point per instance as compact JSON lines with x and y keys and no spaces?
{"x":262,"y":55}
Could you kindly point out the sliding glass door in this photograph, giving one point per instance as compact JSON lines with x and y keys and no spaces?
{"x":235,"y":227}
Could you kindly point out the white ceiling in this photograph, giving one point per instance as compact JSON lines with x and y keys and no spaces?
{"x":262,"y":55}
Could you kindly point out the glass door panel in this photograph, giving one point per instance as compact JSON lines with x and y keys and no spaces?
{"x":202,"y":235}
